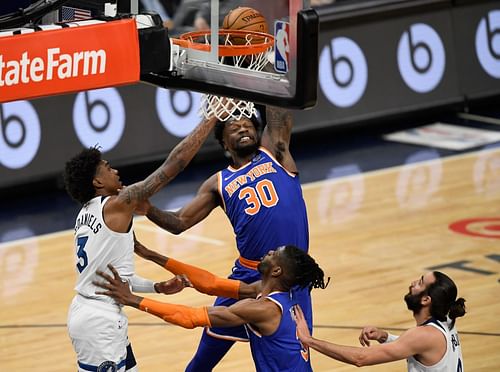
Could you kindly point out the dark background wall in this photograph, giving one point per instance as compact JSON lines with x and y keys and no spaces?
{"x":13,"y":5}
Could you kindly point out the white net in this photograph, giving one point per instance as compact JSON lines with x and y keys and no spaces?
{"x":256,"y":61}
{"x":229,"y":108}
{"x":224,"y":108}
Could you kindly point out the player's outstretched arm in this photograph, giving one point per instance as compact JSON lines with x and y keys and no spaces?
{"x":206,"y":200}
{"x":171,"y":286}
{"x":202,"y":280}
{"x":242,"y":312}
{"x":412,"y":342}
{"x":276,"y":136}
{"x":176,"y":161}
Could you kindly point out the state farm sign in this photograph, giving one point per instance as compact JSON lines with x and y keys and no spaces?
{"x":53,"y":65}
{"x":68,"y":60}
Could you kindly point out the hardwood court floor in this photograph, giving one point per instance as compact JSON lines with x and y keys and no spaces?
{"x":373,"y":233}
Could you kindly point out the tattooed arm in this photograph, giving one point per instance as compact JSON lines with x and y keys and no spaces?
{"x":118,"y":211}
{"x":276,"y":136}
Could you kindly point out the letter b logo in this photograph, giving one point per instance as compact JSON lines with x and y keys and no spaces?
{"x":488,"y":43}
{"x":20,"y":134}
{"x":99,"y":118}
{"x":177,"y":110}
{"x":421,"y":58}
{"x":343,"y":73}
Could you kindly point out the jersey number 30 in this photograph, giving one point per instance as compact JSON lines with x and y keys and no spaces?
{"x":83,"y":260}
{"x":264,"y":194}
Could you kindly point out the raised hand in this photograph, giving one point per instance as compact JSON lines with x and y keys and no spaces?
{"x":302,"y":329}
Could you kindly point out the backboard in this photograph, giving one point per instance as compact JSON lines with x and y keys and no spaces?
{"x":286,"y":76}
{"x":289,"y":78}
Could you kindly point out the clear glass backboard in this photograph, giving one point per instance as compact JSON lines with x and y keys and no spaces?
{"x":287,"y":72}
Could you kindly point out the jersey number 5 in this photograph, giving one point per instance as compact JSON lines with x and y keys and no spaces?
{"x":264,"y":194}
{"x":83,"y":260}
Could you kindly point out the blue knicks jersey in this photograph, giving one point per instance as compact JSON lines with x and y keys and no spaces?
{"x":265,"y":205}
{"x":282,"y":350}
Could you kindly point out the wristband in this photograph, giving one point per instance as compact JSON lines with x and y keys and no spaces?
{"x":204,"y":281}
{"x":390,"y":338}
{"x":184,"y":316}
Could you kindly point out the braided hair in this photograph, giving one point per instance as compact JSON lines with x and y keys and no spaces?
{"x":79,"y":174}
{"x":302,"y":270}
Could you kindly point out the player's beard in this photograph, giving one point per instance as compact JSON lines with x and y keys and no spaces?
{"x":262,"y":267}
{"x":414,"y":302}
{"x":244,"y":151}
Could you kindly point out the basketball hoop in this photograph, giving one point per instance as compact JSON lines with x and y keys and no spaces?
{"x":254,"y":42}
{"x":247,"y":50}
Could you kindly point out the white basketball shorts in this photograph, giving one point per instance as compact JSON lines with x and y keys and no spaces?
{"x":98,"y":331}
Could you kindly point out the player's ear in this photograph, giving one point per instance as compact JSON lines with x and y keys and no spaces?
{"x":97,"y":183}
{"x":426,"y":300}
{"x":277,"y":271}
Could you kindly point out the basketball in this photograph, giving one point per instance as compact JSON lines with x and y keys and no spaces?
{"x":246,"y":19}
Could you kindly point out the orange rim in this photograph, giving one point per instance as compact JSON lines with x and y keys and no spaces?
{"x":188,"y":40}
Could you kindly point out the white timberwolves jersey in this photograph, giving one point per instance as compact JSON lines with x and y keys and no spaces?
{"x":452,"y":360}
{"x":96,"y":246}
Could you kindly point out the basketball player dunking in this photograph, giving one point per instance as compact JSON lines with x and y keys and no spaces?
{"x":261,"y":194}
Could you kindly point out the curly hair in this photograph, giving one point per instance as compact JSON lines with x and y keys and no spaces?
{"x":302,"y":270}
{"x":220,"y":125}
{"x":79,"y":174}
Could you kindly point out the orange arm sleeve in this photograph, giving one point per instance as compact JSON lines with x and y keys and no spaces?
{"x":204,"y":281}
{"x":181,"y":315}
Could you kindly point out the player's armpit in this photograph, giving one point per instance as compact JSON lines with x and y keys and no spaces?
{"x":181,"y":315}
{"x":276,"y":136}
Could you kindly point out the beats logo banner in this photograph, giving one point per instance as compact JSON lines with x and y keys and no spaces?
{"x":421,"y":58}
{"x":488,"y":43}
{"x":99,"y":118}
{"x":178,"y":110}
{"x":20,"y":134}
{"x":343,"y":72}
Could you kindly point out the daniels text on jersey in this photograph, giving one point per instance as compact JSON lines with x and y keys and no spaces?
{"x":89,"y":220}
